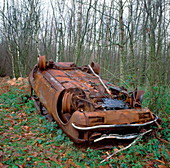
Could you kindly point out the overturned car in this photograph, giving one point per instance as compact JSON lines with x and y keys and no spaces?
{"x":86,"y":107}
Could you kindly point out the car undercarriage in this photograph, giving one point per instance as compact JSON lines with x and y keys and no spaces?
{"x":86,"y":107}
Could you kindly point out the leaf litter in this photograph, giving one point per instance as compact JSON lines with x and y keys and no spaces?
{"x":27,"y":141}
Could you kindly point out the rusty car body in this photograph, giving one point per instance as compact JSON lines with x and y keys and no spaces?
{"x":86,"y":107}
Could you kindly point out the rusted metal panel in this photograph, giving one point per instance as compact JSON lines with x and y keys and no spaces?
{"x":57,"y":73}
{"x":85,"y":106}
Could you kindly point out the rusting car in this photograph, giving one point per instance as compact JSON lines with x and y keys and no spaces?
{"x":86,"y":107}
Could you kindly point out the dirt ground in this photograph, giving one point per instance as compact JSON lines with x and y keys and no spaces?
{"x":21,"y":82}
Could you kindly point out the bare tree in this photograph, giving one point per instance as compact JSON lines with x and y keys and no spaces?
{"x":20,"y":28}
{"x":130,"y":39}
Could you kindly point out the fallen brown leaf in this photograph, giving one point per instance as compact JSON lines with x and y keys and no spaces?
{"x":28,"y":134}
{"x":26,"y":128}
{"x":160,"y":161}
{"x":53,"y":158}
{"x":162,"y":166}
{"x":3,"y":166}
{"x":21,"y":166}
{"x":105,"y":166}
{"x":35,"y":154}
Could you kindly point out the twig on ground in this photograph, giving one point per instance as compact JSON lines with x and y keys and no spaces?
{"x":162,"y":140}
{"x":128,"y":146}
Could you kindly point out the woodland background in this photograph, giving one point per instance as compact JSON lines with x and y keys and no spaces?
{"x":130,"y":39}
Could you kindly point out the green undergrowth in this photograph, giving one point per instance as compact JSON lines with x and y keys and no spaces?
{"x":158,"y":100}
{"x":29,"y":140}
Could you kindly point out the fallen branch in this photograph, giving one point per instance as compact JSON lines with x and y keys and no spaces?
{"x":108,"y":91}
{"x":162,"y":140}
{"x":122,"y":149}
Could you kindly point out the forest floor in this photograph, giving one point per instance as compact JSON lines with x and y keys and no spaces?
{"x":29,"y":140}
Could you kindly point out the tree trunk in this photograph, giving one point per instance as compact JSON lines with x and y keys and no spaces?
{"x":121,"y":42}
